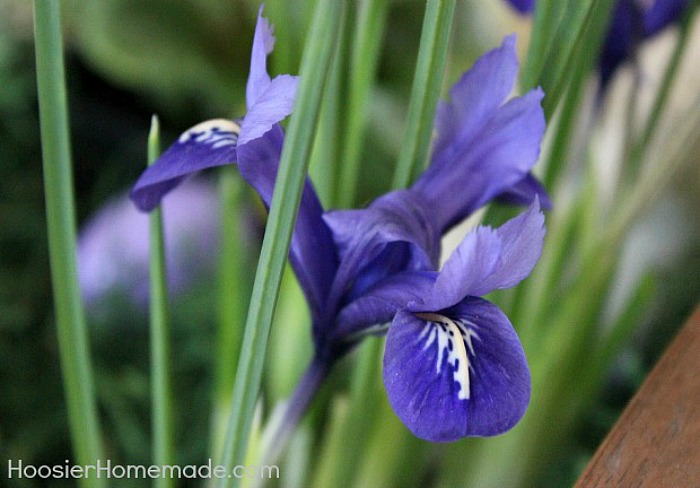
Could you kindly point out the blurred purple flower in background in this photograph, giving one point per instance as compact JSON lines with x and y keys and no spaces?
{"x":632,"y":22}
{"x":113,"y":246}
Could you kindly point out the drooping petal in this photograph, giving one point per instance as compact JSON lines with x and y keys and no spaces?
{"x":489,"y":259}
{"x":457,"y":373}
{"x":263,"y":43}
{"x":271,"y":106}
{"x":211,"y":143}
{"x":312,"y":253}
{"x":498,"y":158}
{"x":380,"y":304}
{"x":524,"y":192}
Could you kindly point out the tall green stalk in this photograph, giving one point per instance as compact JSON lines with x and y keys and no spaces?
{"x":369,"y":29}
{"x":285,"y":204}
{"x":234,"y":294}
{"x":161,"y":395}
{"x":425,"y":92}
{"x":60,"y":214}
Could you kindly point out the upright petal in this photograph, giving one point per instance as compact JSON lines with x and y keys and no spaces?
{"x":499,"y":156}
{"x":522,"y":239}
{"x":263,"y":43}
{"x":312,"y":253}
{"x":473,"y":101}
{"x":490,"y":259}
{"x":209,"y":144}
{"x":456,"y":373}
{"x":271,"y":106}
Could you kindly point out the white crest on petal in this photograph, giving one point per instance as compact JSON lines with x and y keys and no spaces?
{"x":454,"y":338}
{"x":216,"y":132}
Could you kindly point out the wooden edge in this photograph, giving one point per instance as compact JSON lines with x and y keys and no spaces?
{"x":656,"y":441}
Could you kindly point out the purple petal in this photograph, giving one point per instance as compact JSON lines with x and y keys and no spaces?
{"x":523,"y":6}
{"x":663,"y":13}
{"x":445,"y":389}
{"x":393,"y":234}
{"x":271,"y":106}
{"x":211,"y":143}
{"x":312,"y":253}
{"x":263,"y":43}
{"x":624,"y":34}
{"x":491,"y":155}
{"x":524,"y":192}
{"x":474,"y":100}
{"x":381,"y":303}
{"x":490,"y":259}
{"x":522,"y":239}
{"x":472,"y":262}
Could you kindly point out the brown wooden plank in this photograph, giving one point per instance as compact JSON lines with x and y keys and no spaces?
{"x":656,"y":441}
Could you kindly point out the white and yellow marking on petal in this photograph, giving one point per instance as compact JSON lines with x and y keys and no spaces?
{"x":216,"y":132}
{"x":439,"y":328}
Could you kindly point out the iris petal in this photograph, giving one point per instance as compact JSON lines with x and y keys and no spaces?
{"x":271,"y":106}
{"x":489,"y":259}
{"x":474,"y":99}
{"x":208,"y":144}
{"x":456,"y":373}
{"x":496,"y":156}
{"x":312,"y":253}
{"x":523,"y":6}
{"x":381,"y":303}
{"x":662,"y":13}
{"x":263,"y":43}
{"x":524,"y":193}
{"x":368,"y":239}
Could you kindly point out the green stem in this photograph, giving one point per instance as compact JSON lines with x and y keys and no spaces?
{"x":362,"y":411}
{"x":234,"y":294}
{"x":547,"y":17}
{"x":285,"y":203}
{"x":430,"y":68}
{"x":161,"y":395}
{"x":60,"y":213}
{"x":579,"y":38}
{"x":323,"y":167}
{"x":363,"y":67}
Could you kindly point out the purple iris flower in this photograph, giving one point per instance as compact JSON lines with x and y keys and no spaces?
{"x":254,"y":143}
{"x":453,"y":364}
{"x":362,"y":269}
{"x":632,"y":22}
